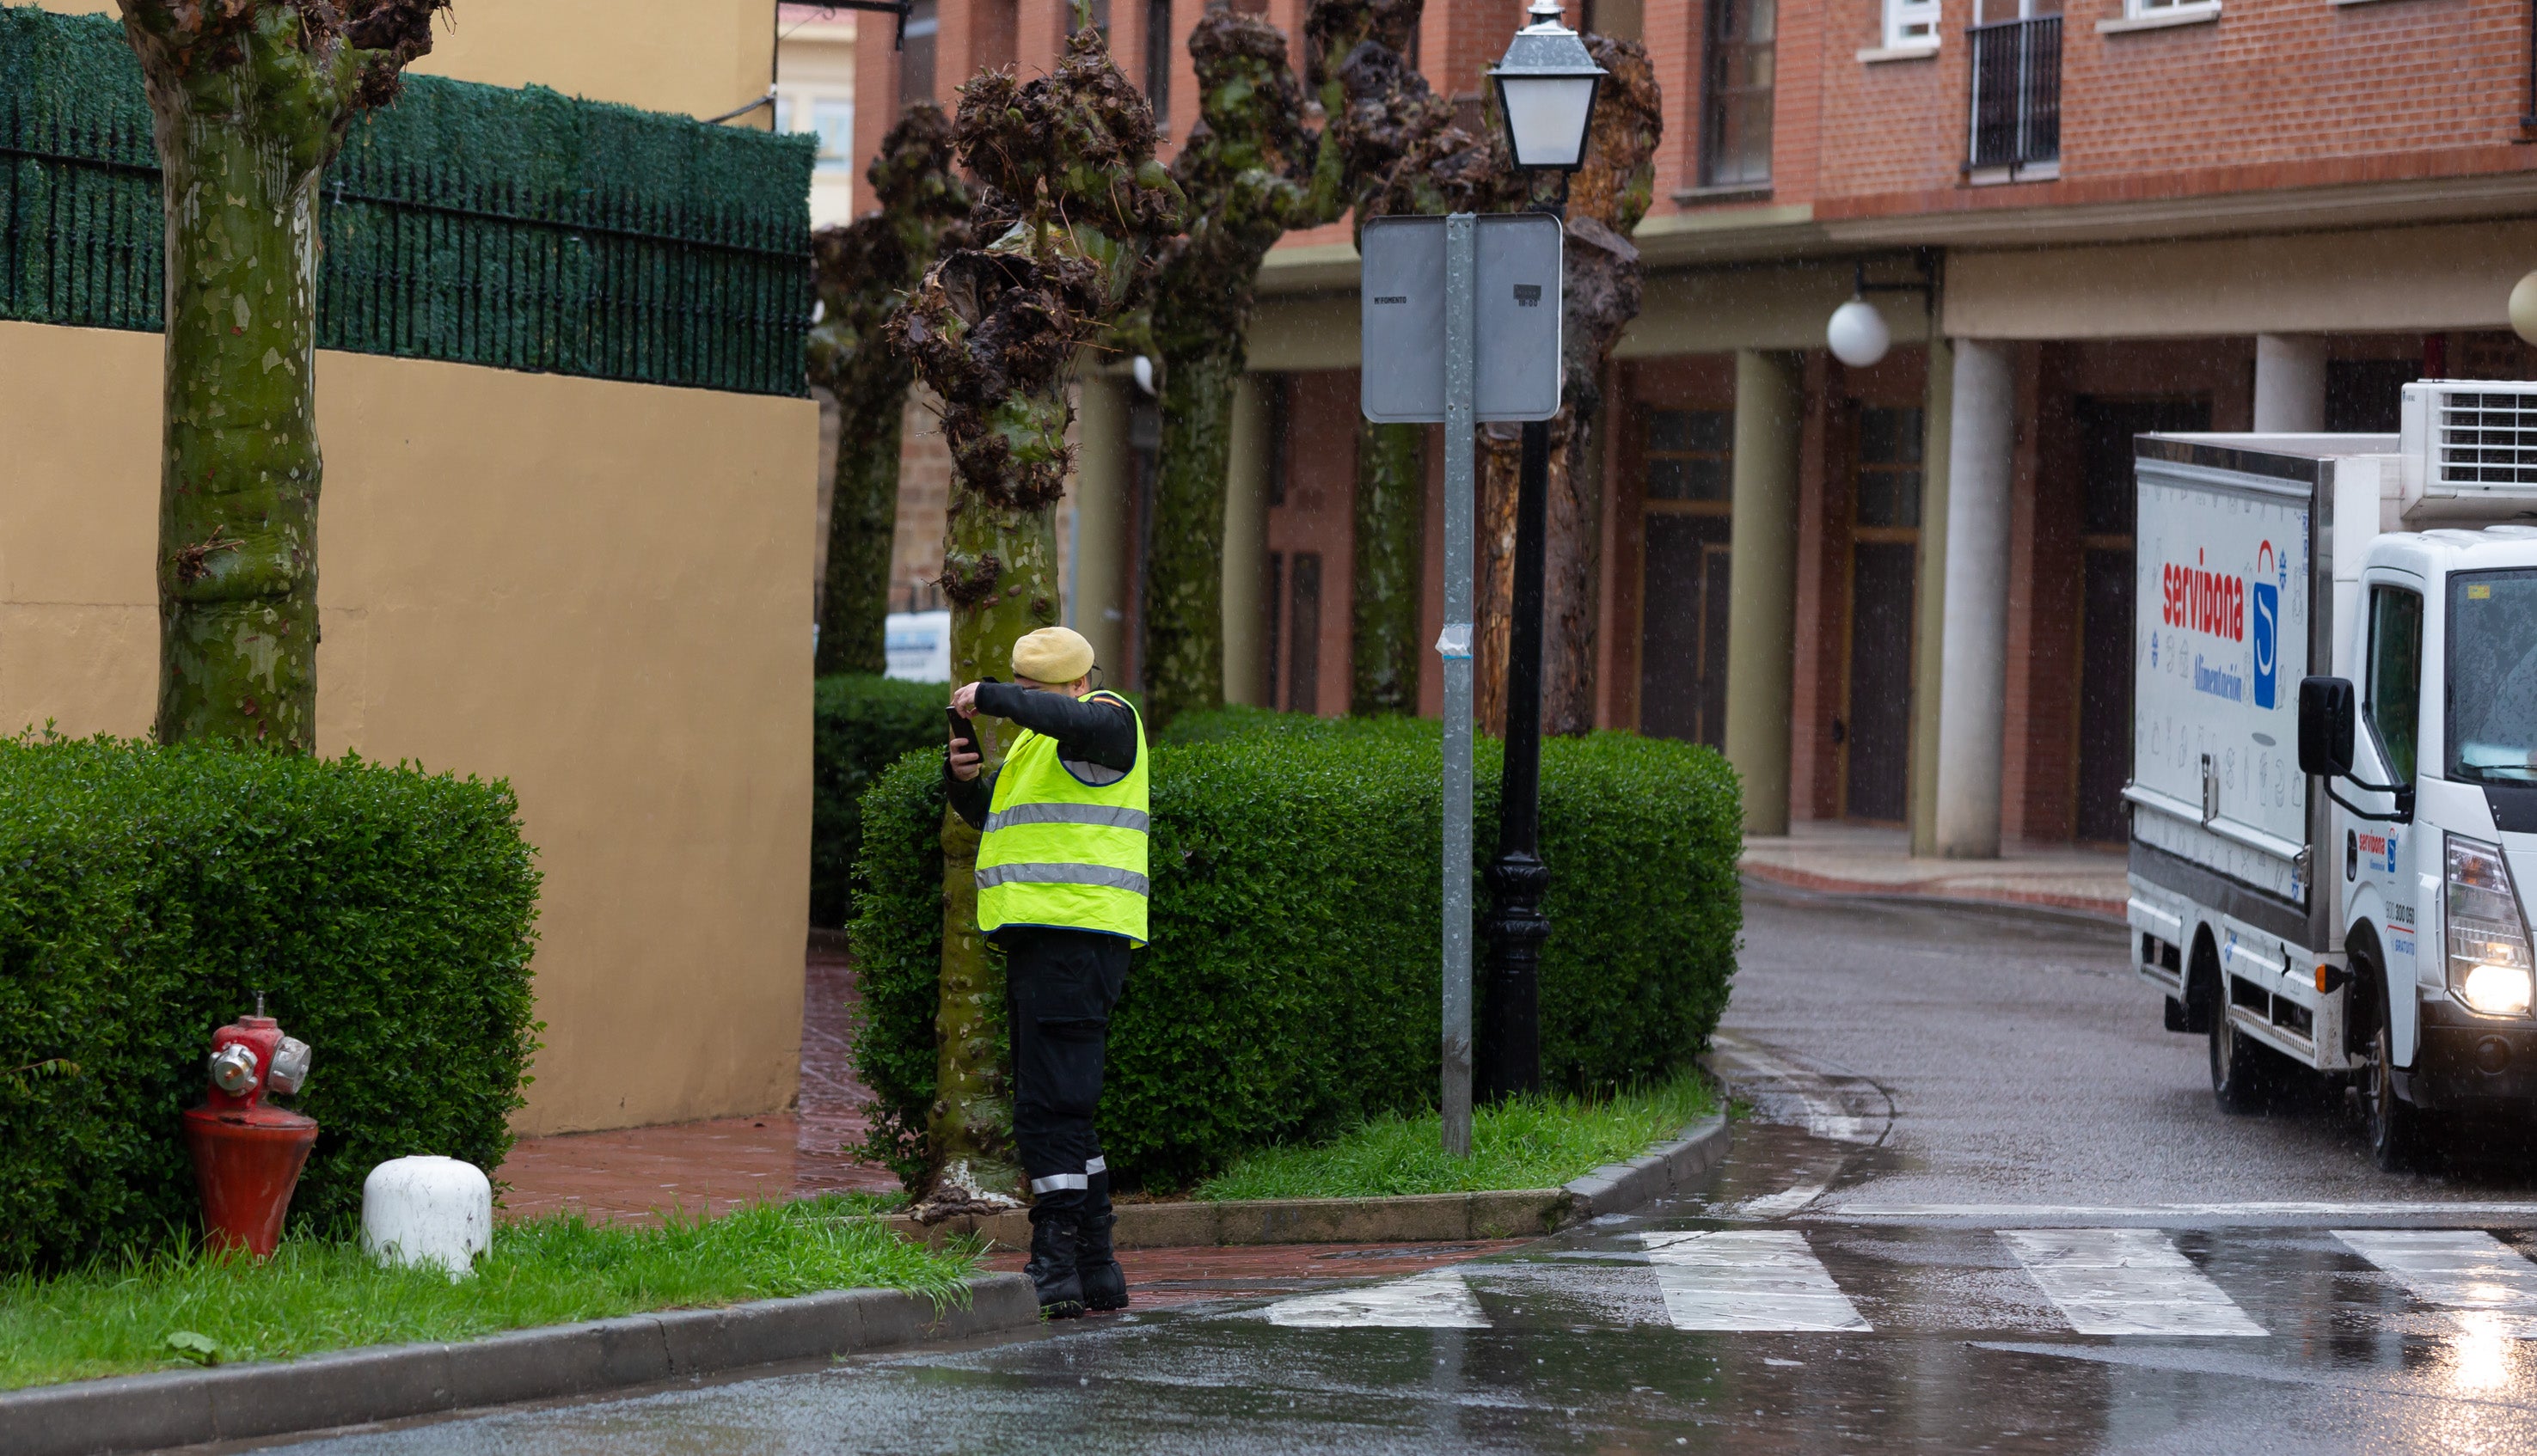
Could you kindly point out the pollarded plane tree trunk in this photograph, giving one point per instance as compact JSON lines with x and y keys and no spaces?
{"x":1402,"y":154}
{"x":251,"y":99}
{"x":1606,"y":198}
{"x":1251,"y":171}
{"x":865,"y":272}
{"x":1070,"y":209}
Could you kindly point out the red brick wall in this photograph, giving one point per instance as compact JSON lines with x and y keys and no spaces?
{"x":1672,"y":38}
{"x":1892,"y":126}
{"x":2273,"y":93}
{"x":1796,"y":120}
{"x":2278,"y":81}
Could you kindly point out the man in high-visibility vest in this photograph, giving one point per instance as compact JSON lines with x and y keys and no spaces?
{"x":1061,"y":890}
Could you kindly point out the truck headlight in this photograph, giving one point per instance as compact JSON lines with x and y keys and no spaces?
{"x":2490,"y":966}
{"x":2496,"y":990}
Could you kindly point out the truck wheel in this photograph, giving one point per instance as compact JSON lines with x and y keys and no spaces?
{"x":2395,"y":1125}
{"x":2242,"y":1067}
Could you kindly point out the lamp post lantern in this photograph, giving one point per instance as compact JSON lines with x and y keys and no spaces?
{"x":1546,"y":85}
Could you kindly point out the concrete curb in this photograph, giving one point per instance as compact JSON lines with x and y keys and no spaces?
{"x":392,"y":1382}
{"x":1437,"y":1218}
{"x":1659,"y":1172}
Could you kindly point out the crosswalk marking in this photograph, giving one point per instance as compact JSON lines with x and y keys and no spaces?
{"x":1437,"y":1300}
{"x":2276,"y":1211}
{"x":1747,"y":1279}
{"x":2126,"y":1281}
{"x":2104,"y":1282}
{"x":2463,"y":1269}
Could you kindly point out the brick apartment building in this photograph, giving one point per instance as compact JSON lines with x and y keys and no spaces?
{"x":2141,"y":213}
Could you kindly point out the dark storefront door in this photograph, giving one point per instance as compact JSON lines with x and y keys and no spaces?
{"x":1878,"y":729}
{"x":1682,"y":666}
{"x":1682,"y":638}
{"x":1884,"y":552}
{"x":2107,"y":499}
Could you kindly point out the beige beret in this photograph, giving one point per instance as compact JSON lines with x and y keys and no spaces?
{"x":1052,"y":654}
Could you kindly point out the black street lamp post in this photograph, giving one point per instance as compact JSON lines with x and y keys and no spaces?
{"x":1546,"y":85}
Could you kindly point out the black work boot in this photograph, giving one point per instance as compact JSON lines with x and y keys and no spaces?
{"x":1051,"y":1267}
{"x":1105,"y":1285}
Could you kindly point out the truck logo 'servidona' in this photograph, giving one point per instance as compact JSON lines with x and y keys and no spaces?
{"x":2268,"y":615}
{"x":2204,"y":601}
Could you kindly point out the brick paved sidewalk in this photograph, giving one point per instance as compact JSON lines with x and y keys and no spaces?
{"x":709,"y":1168}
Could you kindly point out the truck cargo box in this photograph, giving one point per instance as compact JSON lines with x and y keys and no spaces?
{"x":2235,"y":604}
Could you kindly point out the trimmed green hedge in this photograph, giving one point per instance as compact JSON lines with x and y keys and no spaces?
{"x":147,"y":894}
{"x":860,"y":724}
{"x":1290,"y":988}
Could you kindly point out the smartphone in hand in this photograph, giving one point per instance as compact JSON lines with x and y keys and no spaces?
{"x":963,"y":738}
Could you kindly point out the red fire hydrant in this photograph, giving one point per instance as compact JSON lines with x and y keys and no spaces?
{"x":247,"y":1156}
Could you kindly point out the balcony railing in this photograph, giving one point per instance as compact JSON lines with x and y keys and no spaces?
{"x":2017,"y":94}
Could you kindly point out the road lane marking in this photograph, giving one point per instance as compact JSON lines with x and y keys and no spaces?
{"x":1777,"y":1205}
{"x":1749,"y":1280}
{"x":2463,"y":1269}
{"x":2126,"y":1281}
{"x":1437,"y":1300}
{"x":1826,"y":1116}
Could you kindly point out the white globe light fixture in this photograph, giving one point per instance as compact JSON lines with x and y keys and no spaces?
{"x":1546,"y":88}
{"x":1857,"y":334}
{"x":2523,"y":308}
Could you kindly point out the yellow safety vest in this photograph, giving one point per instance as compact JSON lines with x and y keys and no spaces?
{"x":1066,"y":841}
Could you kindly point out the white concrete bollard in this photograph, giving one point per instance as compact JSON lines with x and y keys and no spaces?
{"x":436,"y":1211}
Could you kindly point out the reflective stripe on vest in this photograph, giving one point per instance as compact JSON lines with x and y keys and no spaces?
{"x":1062,"y":874}
{"x":1115,"y":816}
{"x":1065,"y":845}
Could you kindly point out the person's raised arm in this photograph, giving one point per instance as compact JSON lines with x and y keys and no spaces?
{"x":1098,"y":729}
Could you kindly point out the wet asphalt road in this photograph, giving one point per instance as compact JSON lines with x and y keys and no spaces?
{"x":1985,"y":1204}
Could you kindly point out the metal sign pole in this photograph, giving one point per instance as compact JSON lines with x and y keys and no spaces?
{"x":1461,"y":368}
{"x":1459,"y":318}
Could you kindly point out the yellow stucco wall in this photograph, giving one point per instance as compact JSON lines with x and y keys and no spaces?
{"x":599,"y":591}
{"x":702,"y":57}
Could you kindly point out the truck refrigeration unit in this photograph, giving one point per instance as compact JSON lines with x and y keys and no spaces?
{"x":2334,"y":796}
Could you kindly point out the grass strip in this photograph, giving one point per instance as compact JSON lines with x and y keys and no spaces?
{"x":1533,"y":1142}
{"x":117,"y":1315}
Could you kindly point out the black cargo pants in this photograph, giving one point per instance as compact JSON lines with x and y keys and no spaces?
{"x":1060,"y":986}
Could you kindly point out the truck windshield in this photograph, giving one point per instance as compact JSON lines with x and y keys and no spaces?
{"x":2493,"y":677}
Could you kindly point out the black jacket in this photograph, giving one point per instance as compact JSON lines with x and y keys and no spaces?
{"x":1097,"y":730}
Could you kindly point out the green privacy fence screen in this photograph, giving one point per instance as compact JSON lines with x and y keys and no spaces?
{"x":520,"y":229}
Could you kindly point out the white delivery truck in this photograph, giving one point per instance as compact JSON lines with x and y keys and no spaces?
{"x":2333,"y":795}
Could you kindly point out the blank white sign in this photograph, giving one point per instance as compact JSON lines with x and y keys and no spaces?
{"x":1516,"y":262}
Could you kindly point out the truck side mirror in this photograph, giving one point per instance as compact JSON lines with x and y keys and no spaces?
{"x":2326,"y":718}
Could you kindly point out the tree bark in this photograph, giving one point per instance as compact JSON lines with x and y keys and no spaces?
{"x":1070,"y":206}
{"x":862,"y":528}
{"x":1391,"y":580}
{"x":1600,"y":290}
{"x":251,"y":100}
{"x":1185,"y":563}
{"x":864,"y":270}
{"x":1251,"y":171}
